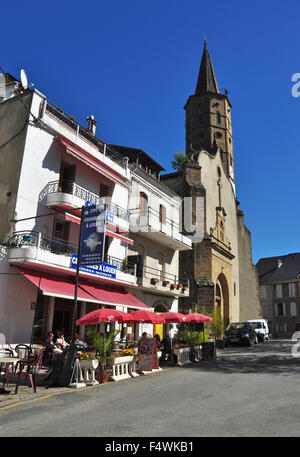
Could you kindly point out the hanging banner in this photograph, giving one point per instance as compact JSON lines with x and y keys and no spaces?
{"x":93,"y":235}
{"x":104,"y":269}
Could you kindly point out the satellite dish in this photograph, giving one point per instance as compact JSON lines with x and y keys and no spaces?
{"x":23,"y":77}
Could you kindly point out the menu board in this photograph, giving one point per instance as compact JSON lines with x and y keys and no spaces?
{"x":147,"y":355}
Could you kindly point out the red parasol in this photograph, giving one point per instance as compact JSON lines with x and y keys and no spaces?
{"x":102,"y":315}
{"x":174,"y":317}
{"x":196,"y":317}
{"x":144,"y":316}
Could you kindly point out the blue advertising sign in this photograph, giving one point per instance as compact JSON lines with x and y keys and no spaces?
{"x":106,"y":270}
{"x":92,"y":235}
{"x":110,"y":216}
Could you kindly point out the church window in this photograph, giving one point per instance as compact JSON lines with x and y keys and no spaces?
{"x":219,"y":172}
{"x":218,"y":117}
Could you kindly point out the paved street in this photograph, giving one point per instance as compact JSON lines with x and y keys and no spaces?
{"x":246,"y":392}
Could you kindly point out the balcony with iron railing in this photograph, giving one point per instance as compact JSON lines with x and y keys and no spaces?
{"x":84,"y":133}
{"x":69,"y":195}
{"x":30,"y":247}
{"x":159,"y":228}
{"x":161,"y":281}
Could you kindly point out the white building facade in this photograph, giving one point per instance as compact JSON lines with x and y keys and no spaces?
{"x":50,"y":167}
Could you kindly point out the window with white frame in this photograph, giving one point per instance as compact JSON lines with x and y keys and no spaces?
{"x":263,"y":292}
{"x":278,"y":290}
{"x":280,"y":309}
{"x":293,"y":307}
{"x":292,"y":289}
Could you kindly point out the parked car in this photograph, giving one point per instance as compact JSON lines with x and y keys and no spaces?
{"x":242,"y":333}
{"x":261,"y":328}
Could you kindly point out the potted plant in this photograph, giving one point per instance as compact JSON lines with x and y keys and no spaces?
{"x":217,"y":327}
{"x":104,"y":345}
{"x":154,"y":281}
{"x":166,"y":283}
{"x":189,"y":339}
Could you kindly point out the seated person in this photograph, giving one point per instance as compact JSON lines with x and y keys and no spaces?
{"x":60,"y":342}
{"x":48,"y":355}
{"x":144,"y":337}
{"x":80,"y":343}
{"x":129,"y":340}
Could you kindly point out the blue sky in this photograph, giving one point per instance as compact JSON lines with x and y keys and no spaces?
{"x":133,"y":65}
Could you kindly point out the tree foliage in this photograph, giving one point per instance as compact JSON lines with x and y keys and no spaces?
{"x":179,"y":160}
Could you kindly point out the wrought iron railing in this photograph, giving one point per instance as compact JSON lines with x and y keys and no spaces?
{"x":61,"y":247}
{"x":158,"y":221}
{"x":165,"y":278}
{"x":122,"y":265}
{"x":85,"y":133}
{"x":70,"y":187}
{"x":45,"y":242}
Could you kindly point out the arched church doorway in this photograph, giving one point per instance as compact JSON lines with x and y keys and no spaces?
{"x":222,"y":296}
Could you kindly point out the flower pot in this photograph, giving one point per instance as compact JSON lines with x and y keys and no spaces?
{"x":192,"y":355}
{"x":102,"y":375}
{"x":89,"y":366}
{"x":220,"y":344}
{"x":154,"y":281}
{"x":120,"y":367}
{"x":166,"y":283}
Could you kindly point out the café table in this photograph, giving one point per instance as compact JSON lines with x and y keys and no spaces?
{"x":7,"y":361}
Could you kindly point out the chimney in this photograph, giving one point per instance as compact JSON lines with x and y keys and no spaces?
{"x":91,"y":124}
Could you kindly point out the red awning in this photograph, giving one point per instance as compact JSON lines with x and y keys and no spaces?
{"x":114,"y":296}
{"x":56,"y":286}
{"x":119,"y":237}
{"x":91,"y":161}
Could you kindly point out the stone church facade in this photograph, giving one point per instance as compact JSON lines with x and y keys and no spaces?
{"x":220,"y":266}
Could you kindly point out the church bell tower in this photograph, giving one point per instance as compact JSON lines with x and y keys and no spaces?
{"x":208,"y":117}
